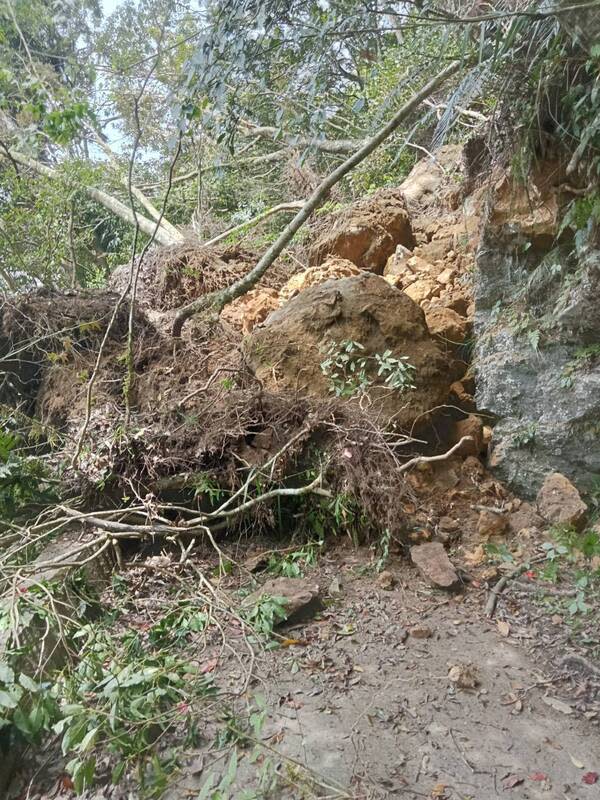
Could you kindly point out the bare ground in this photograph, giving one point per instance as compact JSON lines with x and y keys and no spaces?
{"x":359,"y":707}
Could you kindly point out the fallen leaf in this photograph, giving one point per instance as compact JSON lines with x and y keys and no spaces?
{"x":553,"y":744}
{"x":538,"y":776}
{"x":510,"y":781}
{"x":439,"y":791}
{"x":292,"y":643}
{"x":558,"y":705}
{"x":209,"y":666}
{"x":503,"y":627}
{"x":590,"y":778}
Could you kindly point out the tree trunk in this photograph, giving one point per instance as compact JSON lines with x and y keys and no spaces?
{"x":163,"y":236}
{"x":217,"y":300}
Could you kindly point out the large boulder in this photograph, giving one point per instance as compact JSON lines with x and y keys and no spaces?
{"x":287,"y":352}
{"x":559,"y":502}
{"x":536,"y":320}
{"x":367,"y":233}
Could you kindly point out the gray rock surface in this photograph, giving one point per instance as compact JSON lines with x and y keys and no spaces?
{"x":544,"y":394}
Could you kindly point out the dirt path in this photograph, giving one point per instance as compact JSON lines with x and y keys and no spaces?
{"x":370,"y":709}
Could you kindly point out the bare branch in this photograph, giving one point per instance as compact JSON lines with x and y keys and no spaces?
{"x":292,"y":206}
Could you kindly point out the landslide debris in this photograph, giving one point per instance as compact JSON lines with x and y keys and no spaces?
{"x":286,"y":353}
{"x":367,"y":232}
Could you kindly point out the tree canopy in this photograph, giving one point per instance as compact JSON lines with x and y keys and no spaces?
{"x":259,"y":99}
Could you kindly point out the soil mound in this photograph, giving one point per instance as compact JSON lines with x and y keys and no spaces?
{"x":171,"y":277}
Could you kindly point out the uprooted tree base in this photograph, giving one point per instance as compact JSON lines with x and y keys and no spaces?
{"x":202,"y":423}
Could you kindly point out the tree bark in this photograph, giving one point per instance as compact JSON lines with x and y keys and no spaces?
{"x":217,"y":300}
{"x":114,"y":205}
{"x":334,"y":146}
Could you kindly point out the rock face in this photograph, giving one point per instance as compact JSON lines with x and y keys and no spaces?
{"x":287,"y":351}
{"x":559,"y":501}
{"x":536,"y":312}
{"x":367,"y":233}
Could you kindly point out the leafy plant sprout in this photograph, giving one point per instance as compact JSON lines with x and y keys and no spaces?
{"x":350,"y":370}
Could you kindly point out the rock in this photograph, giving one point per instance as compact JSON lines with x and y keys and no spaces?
{"x":332,"y":267}
{"x":287,"y":351}
{"x":245,"y":312}
{"x":426,"y":179}
{"x":459,"y":303}
{"x":473,"y":468}
{"x":446,"y":276}
{"x":301,"y":597}
{"x":447,"y":324}
{"x":422,"y":289}
{"x":433,"y":563}
{"x":491,"y":524}
{"x":465,"y":676}
{"x":559,"y":502}
{"x":435,"y":250}
{"x":420,"y":632}
{"x":385,"y":580}
{"x":417,"y":264}
{"x":525,"y":517}
{"x":525,"y":390}
{"x":367,"y":232}
{"x":397,"y":262}
{"x":473,"y":427}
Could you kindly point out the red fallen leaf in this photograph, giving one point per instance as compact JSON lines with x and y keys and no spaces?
{"x":209,"y":666}
{"x":510,"y":781}
{"x":530,"y":574}
{"x":66,"y":783}
{"x":538,"y":776}
{"x":590,"y":778}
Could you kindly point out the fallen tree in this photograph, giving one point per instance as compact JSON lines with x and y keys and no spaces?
{"x":217,"y":301}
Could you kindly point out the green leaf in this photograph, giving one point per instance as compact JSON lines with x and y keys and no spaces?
{"x":29,"y":684}
{"x":7,"y":700}
{"x":7,"y":674}
{"x":88,"y":740}
{"x":117,"y":772}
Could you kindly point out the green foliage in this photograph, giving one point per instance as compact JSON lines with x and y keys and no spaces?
{"x":584,"y":358}
{"x":117,"y":697}
{"x":265,"y":614}
{"x":348,"y":369}
{"x":526,"y":437}
{"x":292,"y":565}
{"x":176,"y":626}
{"x":23,"y":479}
{"x":569,"y":556}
